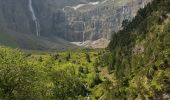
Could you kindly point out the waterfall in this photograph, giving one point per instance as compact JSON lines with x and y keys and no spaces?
{"x":84,"y":25}
{"x":83,"y":36}
{"x":34,"y":18}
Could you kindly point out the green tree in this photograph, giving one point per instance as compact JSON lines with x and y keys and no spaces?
{"x":88,"y":58}
{"x":17,"y":77}
{"x":68,"y":57}
{"x":66,"y":85}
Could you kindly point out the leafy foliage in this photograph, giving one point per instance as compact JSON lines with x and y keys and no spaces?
{"x":17,"y":77}
{"x":48,"y":76}
{"x":140,"y":54}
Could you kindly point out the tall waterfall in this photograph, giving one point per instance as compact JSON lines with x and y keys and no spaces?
{"x":34,"y":18}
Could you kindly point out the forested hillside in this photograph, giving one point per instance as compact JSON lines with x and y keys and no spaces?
{"x":141,"y":54}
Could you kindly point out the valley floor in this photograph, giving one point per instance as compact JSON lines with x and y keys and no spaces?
{"x":76,"y":74}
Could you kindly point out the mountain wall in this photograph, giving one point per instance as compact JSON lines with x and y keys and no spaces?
{"x":71,"y":20}
{"x":100,"y":19}
{"x":18,"y":29}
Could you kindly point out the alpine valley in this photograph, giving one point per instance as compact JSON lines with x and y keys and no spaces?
{"x":84,"y":49}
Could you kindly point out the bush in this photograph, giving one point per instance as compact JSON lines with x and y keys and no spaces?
{"x":66,"y":85}
{"x":88,"y":58}
{"x":17,"y":77}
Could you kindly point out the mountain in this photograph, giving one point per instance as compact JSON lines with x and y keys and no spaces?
{"x":18,"y":29}
{"x":16,"y":15}
{"x":100,"y":19}
{"x":68,"y":20}
{"x":140,"y":55}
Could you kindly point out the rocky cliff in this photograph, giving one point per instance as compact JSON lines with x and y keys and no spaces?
{"x":72,"y":20}
{"x":16,"y":15}
{"x":18,"y":26}
{"x":100,"y":19}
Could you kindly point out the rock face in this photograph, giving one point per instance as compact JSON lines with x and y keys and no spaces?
{"x":15,"y":16}
{"x":72,"y":20}
{"x":18,"y":29}
{"x":100,"y":19}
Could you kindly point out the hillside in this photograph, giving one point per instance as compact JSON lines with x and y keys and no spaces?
{"x":31,"y":42}
{"x":140,"y":56}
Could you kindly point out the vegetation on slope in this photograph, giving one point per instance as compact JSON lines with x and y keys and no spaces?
{"x":138,"y":65}
{"x":141,"y":54}
{"x":52,"y":76}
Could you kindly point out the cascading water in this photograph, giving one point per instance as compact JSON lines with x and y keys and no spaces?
{"x":34,"y":18}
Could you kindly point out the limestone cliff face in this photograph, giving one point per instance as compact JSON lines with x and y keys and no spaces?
{"x":15,"y":16}
{"x":100,"y":19}
{"x":73,"y":20}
